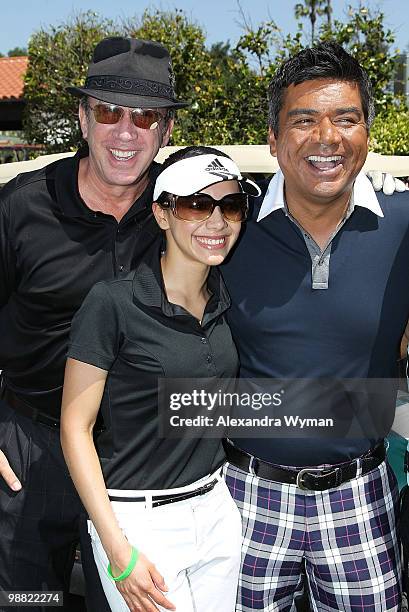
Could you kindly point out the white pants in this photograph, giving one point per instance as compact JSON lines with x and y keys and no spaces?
{"x":195,"y":545}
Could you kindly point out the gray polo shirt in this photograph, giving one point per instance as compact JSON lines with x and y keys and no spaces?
{"x":129,"y":328}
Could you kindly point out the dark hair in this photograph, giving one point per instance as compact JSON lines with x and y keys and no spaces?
{"x":84,"y":103}
{"x":191,"y":151}
{"x":327,"y":60}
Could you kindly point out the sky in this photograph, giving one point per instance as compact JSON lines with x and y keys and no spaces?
{"x":222,"y":20}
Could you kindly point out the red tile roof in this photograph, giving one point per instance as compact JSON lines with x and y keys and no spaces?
{"x":12,"y":70}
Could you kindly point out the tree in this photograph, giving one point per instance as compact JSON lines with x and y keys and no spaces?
{"x":222,"y":93}
{"x":58,"y":58}
{"x":364,"y":35}
{"x":312,"y":9}
{"x":225,"y":85}
{"x":192,"y":65}
{"x":17,"y":51}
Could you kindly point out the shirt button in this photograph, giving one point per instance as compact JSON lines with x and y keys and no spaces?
{"x":121,"y":268}
{"x":209,"y":359}
{"x":203,"y":340}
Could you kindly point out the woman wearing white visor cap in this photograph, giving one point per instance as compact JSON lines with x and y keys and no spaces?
{"x":165,"y":532}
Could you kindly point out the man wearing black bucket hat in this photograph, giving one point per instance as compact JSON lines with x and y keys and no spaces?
{"x":63,"y":228}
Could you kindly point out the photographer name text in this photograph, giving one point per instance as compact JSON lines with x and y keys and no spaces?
{"x":290,"y":421}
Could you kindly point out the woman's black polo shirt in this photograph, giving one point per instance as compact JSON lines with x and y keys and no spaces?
{"x":128,"y":327}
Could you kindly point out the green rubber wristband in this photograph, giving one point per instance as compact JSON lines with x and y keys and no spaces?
{"x":128,"y":569}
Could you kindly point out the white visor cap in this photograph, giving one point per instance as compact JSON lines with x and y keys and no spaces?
{"x":193,"y":174}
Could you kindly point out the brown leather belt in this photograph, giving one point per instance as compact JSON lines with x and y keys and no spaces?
{"x":313,"y":479}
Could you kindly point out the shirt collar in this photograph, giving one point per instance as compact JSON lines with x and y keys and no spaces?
{"x":68,"y":196}
{"x":363,"y":194}
{"x":149,"y":290}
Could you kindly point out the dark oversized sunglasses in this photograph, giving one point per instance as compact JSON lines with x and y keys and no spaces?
{"x":200,"y":206}
{"x":145,"y":118}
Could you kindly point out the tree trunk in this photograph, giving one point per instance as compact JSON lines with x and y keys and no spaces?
{"x":313,"y":18}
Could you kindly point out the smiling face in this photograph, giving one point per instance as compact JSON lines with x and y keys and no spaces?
{"x":205,"y":242}
{"x":322,"y":141}
{"x":120,"y":154}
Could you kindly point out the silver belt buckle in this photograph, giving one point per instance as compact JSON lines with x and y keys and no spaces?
{"x":306,"y":471}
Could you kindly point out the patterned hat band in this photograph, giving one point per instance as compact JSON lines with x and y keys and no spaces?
{"x":141,"y":87}
{"x":130,"y":72}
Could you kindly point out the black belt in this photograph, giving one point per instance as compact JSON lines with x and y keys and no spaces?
{"x":314,"y":479}
{"x":161,"y":500}
{"x":23,"y":408}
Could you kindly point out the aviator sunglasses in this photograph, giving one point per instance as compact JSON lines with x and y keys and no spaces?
{"x":200,"y":206}
{"x":145,"y":118}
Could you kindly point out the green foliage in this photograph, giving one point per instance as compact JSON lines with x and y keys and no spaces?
{"x":193,"y":70}
{"x":223,"y":94}
{"x":365,"y":37}
{"x":59,"y":58}
{"x":17,"y":52}
{"x":313,"y":9}
{"x":226,"y":86}
{"x":219,"y":84}
{"x":390,"y":132}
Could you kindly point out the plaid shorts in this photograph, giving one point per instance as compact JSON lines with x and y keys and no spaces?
{"x":346,"y":537}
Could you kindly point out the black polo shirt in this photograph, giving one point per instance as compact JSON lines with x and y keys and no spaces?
{"x":53,"y":249}
{"x":128,"y":327}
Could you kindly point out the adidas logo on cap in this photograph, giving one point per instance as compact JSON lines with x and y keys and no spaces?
{"x":216,"y":167}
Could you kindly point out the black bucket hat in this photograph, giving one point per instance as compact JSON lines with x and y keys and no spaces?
{"x":131,"y":72}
